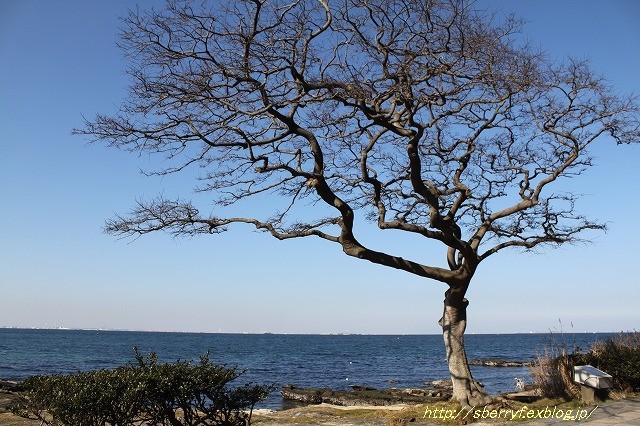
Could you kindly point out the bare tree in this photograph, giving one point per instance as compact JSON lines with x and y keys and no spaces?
{"x":421,"y":116}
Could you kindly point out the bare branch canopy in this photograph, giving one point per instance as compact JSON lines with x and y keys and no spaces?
{"x":423,"y":116}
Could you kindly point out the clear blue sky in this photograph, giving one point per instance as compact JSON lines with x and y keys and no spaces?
{"x":59,"y":61}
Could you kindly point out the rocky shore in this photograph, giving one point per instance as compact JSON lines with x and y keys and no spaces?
{"x":8,"y":395}
{"x":500,"y":363}
{"x":439,"y":390}
{"x":10,"y":385}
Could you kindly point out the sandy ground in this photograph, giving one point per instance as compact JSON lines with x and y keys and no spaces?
{"x":8,"y":419}
{"x":621,"y":412}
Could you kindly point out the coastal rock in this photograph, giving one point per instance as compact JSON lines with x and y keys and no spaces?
{"x":429,"y":393}
{"x":361,"y":388}
{"x":9,"y":395}
{"x":306,"y":396}
{"x":527,"y":396}
{"x":10,"y":385}
{"x":500,"y":363}
{"x":441,"y":384}
{"x":363,"y":395}
{"x":417,"y":392}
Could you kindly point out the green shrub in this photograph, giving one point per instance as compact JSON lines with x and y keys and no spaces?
{"x":146,"y":393}
{"x":618,"y":356}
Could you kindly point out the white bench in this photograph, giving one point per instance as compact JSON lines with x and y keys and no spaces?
{"x":594,"y":384}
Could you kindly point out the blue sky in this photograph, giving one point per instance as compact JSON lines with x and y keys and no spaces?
{"x":57,"y":268}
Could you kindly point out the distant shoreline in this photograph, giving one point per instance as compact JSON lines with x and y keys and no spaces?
{"x":239,"y":333}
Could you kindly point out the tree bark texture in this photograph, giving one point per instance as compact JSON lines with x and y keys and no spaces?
{"x":454,"y":322}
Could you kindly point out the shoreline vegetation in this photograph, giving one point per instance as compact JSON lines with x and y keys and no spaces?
{"x":361,"y":405}
{"x":146,"y":392}
{"x":438,"y":412}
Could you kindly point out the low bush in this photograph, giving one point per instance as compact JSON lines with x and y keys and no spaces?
{"x":618,"y":356}
{"x":145,"y":393}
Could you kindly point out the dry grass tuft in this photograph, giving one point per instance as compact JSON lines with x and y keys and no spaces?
{"x":553,"y":372}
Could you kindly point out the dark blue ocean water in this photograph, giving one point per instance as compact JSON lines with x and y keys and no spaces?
{"x":334,"y":361}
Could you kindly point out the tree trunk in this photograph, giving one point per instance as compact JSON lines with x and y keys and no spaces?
{"x":454,"y":321}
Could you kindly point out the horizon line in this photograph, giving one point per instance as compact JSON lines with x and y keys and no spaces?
{"x":299,"y":333}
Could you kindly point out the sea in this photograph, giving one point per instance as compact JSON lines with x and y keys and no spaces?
{"x":332,"y":361}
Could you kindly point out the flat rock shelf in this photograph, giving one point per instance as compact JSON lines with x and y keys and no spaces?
{"x":500,"y":363}
{"x":360,"y":395}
